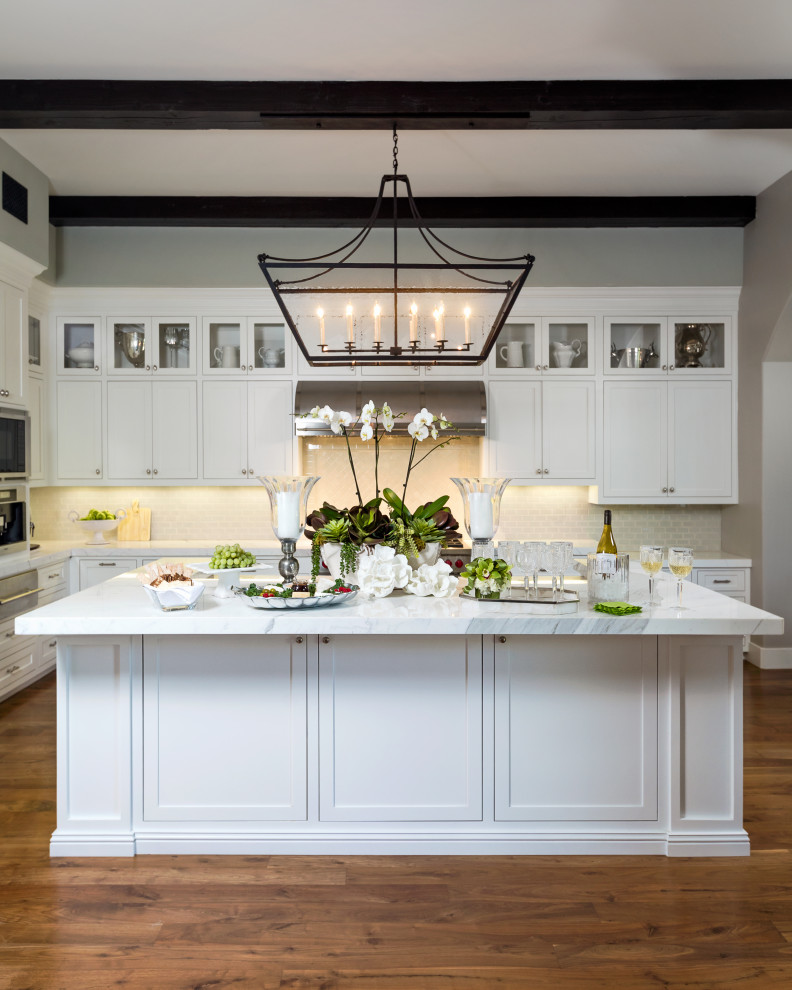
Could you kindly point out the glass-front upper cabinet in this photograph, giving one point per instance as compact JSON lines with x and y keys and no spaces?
{"x":78,"y":345}
{"x":546,"y":346}
{"x":241,"y":345}
{"x":35,"y":365}
{"x":174,"y":343}
{"x":660,"y":346}
{"x":129,"y":345}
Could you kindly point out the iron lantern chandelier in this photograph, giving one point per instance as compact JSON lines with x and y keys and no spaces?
{"x":337,"y":318}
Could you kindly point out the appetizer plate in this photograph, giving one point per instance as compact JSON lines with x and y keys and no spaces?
{"x":316,"y":601}
{"x":226,"y":577}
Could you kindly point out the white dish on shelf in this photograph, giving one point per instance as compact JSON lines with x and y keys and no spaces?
{"x":315,"y":601}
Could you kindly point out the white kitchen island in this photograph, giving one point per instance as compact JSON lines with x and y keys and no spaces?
{"x":397,"y":726}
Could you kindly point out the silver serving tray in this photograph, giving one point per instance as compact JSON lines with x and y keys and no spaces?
{"x":543,"y":603}
{"x":316,"y":601}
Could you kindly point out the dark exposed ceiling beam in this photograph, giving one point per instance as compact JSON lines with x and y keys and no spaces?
{"x":307,"y":211}
{"x":563,"y":104}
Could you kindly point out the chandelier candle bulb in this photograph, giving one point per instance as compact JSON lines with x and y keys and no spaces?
{"x":413,"y":323}
{"x":377,"y":324}
{"x":350,"y":326}
{"x":482,"y":524}
{"x":288,"y":515}
{"x":320,"y":314}
{"x":467,"y":324}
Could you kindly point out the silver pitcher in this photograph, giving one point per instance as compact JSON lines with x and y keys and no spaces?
{"x":632,"y":357}
{"x":133,"y":344}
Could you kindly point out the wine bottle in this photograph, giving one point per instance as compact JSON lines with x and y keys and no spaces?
{"x":605,"y":561}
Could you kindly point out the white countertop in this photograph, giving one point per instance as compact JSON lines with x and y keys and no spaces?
{"x":121,"y":607}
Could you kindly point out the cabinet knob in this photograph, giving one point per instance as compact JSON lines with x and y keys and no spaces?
{"x":244,"y":471}
{"x":243,"y":368}
{"x":665,"y":367}
{"x":665,"y":490}
{"x":538,"y":470}
{"x":299,"y":639}
{"x":98,"y":471}
{"x":154,"y":367}
{"x":148,"y":367}
{"x":501,"y":639}
{"x":672,"y":489}
{"x":545,"y":367}
{"x":148,"y":470}
{"x":547,"y":470}
{"x":250,"y":472}
{"x":538,"y":367}
{"x":325,"y":640}
{"x":156,"y":471}
{"x":416,"y":368}
{"x":96,"y":367}
{"x":670,"y":367}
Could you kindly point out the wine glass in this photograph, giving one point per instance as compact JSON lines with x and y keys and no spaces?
{"x":507,"y":551}
{"x":529,"y":558}
{"x":561,"y":560}
{"x":652,"y":563}
{"x":680,"y":563}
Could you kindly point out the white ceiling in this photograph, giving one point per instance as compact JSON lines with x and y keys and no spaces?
{"x":401,"y":39}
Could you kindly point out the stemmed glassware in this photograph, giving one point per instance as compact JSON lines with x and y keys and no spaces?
{"x":560,"y":558}
{"x":507,"y":550}
{"x":680,"y":563}
{"x":529,"y":558}
{"x":652,"y":563}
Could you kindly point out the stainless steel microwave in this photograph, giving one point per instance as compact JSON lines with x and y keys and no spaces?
{"x":14,"y":444}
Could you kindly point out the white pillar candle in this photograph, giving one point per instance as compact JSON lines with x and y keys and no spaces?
{"x":350,"y":326}
{"x":377,"y":323}
{"x":288,"y":515}
{"x":413,"y":323}
{"x":320,"y":314}
{"x":467,"y":324}
{"x":482,"y":524}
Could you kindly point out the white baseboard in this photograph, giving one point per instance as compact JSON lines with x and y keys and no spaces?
{"x":770,"y":657}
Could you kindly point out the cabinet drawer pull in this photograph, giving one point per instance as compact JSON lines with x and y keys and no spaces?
{"x":105,"y":563}
{"x":10,"y":634}
{"x":22,"y":594}
{"x":721,"y":580}
{"x":53,"y":644}
{"x":12,"y":669}
{"x":57,"y":574}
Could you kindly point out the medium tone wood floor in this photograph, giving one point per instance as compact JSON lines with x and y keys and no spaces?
{"x":387,"y":923}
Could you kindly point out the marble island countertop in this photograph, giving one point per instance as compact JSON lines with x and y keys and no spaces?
{"x":121,"y":607}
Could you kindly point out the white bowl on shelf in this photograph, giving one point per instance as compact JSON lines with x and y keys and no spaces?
{"x":97,"y":527}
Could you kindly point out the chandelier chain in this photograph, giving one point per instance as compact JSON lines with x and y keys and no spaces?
{"x":395,"y":151}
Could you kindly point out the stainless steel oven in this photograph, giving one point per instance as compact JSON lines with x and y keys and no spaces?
{"x":13,"y":520}
{"x":14,"y":444}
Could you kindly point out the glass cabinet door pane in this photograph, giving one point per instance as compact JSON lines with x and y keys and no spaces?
{"x":517,"y":346}
{"x":80,"y":345}
{"x":635,"y":345}
{"x":174,"y":342}
{"x":269,"y":346}
{"x":223,"y":341}
{"x":34,"y":342}
{"x":569,"y":346}
{"x":129,"y":350}
{"x":700,"y":345}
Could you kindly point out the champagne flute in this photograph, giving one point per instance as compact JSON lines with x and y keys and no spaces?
{"x":652,"y":563}
{"x":680,"y":563}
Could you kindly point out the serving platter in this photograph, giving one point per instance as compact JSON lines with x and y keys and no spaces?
{"x":314,"y":601}
{"x":227,"y":577}
{"x":543,"y":604}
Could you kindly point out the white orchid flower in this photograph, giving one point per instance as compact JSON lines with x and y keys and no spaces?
{"x":368,"y":413}
{"x":344,"y":418}
{"x":424,"y":417}
{"x":335,"y":424}
{"x":325,"y":413}
{"x":387,"y":417}
{"x":315,"y":412}
{"x":434,"y":432}
{"x":418,"y":431}
{"x":366,"y":431}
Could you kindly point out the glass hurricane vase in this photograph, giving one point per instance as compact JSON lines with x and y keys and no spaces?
{"x":288,"y":497}
{"x":481,"y":498}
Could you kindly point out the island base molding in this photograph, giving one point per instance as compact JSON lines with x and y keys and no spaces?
{"x":346,"y":744}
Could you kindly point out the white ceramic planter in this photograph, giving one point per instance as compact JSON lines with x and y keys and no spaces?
{"x":331,"y":555}
{"x":429,"y":555}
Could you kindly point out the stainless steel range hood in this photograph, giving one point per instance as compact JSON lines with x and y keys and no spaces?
{"x":463,"y":403}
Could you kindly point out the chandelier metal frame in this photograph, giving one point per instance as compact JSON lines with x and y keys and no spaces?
{"x":412,"y":352}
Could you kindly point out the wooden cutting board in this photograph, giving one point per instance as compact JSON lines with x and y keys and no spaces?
{"x":136,"y":526}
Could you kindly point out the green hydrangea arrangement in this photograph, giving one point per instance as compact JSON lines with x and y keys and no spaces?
{"x":486,"y":578}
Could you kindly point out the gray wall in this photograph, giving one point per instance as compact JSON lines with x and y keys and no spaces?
{"x":31,"y":238}
{"x":226,"y":257}
{"x":765,"y":329}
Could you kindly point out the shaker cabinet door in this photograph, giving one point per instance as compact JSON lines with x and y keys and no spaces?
{"x":515,"y":429}
{"x":700,"y":439}
{"x":175,"y":430}
{"x":569,"y":431}
{"x":79,"y":424}
{"x":635,"y":439}
{"x":129,"y":430}
{"x":224,"y":408}
{"x":270,"y":428}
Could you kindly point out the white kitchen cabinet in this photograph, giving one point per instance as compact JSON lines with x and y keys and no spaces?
{"x":247,"y":429}
{"x":604,"y":752}
{"x":79,"y":431}
{"x":543,"y":431}
{"x":36,"y":408}
{"x":661,"y":346}
{"x":78,"y":346}
{"x":13,"y":346}
{"x":667,"y":441}
{"x":168,"y":350}
{"x":96,"y":570}
{"x":419,"y":722}
{"x":35,"y":346}
{"x":152,"y":430}
{"x":244,"y":345}
{"x":250,"y":693}
{"x":546,"y":346}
